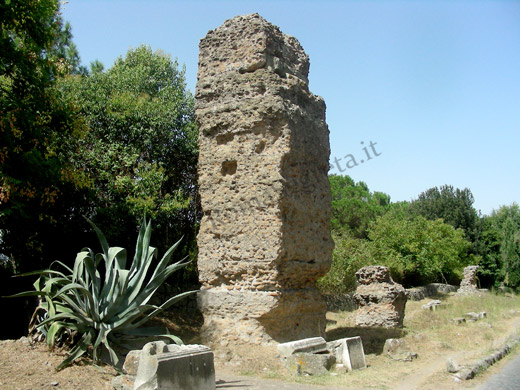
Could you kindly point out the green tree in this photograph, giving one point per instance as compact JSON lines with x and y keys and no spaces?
{"x":38,"y":134}
{"x":141,"y":151}
{"x":490,"y":265}
{"x":417,"y":250}
{"x":504,"y":226}
{"x":66,"y":48}
{"x":41,"y":194}
{"x":453,"y":205}
{"x":354,"y":206}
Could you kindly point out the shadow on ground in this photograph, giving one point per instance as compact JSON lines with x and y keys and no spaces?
{"x":373,"y":338}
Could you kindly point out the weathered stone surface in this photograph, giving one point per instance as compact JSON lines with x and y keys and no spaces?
{"x":459,"y":320}
{"x":393,"y":346}
{"x":175,"y":367}
{"x":404,"y":356}
{"x":472,"y":316}
{"x":349,"y":351}
{"x":397,"y":349}
{"x":344,"y":302}
{"x":452,"y":366}
{"x":123,"y":382}
{"x":131,"y":363}
{"x":465,"y":374}
{"x":430,"y":290}
{"x":305,"y":363}
{"x":381,"y":300}
{"x":264,"y":148}
{"x":432,"y":305}
{"x":313,"y":344}
{"x":468,"y":285}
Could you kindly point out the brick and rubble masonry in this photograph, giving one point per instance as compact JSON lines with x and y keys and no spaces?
{"x":468,"y":285}
{"x":264,"y":150}
{"x":381,"y":301}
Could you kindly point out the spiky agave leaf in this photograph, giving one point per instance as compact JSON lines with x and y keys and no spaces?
{"x":102,"y":300}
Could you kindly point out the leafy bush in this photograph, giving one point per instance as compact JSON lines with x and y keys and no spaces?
{"x":100,"y":301}
{"x":350,"y":254}
{"x":418,"y":251}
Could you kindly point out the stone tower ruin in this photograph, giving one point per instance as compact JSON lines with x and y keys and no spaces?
{"x":264,"y":150}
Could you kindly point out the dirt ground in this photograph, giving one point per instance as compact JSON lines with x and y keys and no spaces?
{"x":28,"y":366}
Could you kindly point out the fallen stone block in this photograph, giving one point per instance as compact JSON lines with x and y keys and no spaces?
{"x":393,"y":346}
{"x":459,"y":320}
{"x":179,"y":367}
{"x":432,"y":305}
{"x":430,"y":290}
{"x":313,"y":344}
{"x":472,"y":316}
{"x":349,"y":351}
{"x":397,"y":349}
{"x":404,"y":356}
{"x":465,"y":374}
{"x":305,"y":363}
{"x":452,"y":366}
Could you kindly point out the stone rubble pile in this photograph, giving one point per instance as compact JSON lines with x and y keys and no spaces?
{"x":381,"y":301}
{"x":468,"y":285}
{"x":315,"y":356}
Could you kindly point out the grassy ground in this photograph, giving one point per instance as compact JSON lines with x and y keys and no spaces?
{"x":431,"y":334}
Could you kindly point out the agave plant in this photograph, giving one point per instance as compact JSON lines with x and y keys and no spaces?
{"x":102,"y":301}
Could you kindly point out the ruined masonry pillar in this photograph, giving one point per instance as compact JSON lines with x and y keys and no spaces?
{"x":264,"y":237}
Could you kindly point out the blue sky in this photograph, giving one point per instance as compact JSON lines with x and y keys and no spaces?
{"x":434,"y":85}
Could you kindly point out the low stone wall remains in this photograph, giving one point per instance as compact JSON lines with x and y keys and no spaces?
{"x":430,"y":290}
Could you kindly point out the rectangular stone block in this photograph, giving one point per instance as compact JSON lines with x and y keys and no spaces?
{"x":313,"y":344}
{"x":175,"y":367}
{"x":186,"y":371}
{"x":309,"y":363}
{"x":349,"y":351}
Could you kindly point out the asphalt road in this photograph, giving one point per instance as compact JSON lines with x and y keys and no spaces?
{"x":507,"y":379}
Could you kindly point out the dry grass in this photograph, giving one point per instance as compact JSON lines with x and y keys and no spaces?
{"x":432,"y":334}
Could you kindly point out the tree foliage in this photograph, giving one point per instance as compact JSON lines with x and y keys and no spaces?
{"x":418,"y":250}
{"x":354,"y":206}
{"x":453,"y":205}
{"x":502,"y":231}
{"x":38,"y":130}
{"x":141,"y":151}
{"x":369,"y":230}
{"x":349,"y":255}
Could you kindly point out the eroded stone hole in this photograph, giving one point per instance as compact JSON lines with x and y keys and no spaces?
{"x":229,"y":168}
{"x":259,"y":148}
{"x":224,"y":138}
